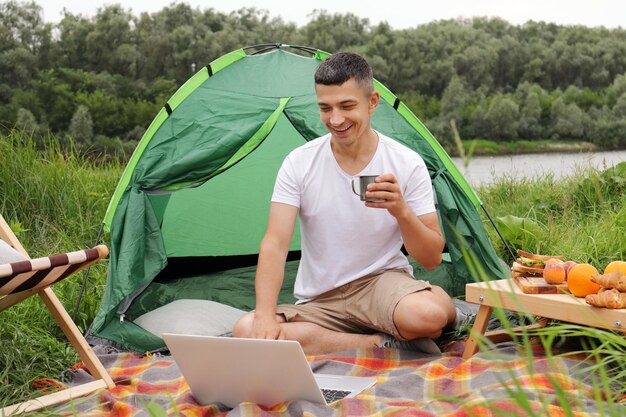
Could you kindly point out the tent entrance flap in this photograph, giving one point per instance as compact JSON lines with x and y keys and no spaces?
{"x":212,"y":219}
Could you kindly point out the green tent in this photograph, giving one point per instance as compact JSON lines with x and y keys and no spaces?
{"x":189,"y":212}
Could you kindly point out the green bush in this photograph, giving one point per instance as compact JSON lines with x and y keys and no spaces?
{"x":610,"y":133}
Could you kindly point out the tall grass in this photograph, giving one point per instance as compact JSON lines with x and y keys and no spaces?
{"x":582,"y":217}
{"x":597,"y":375}
{"x":55,"y":200}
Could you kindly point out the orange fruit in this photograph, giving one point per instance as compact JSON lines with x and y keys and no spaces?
{"x":579,"y":281}
{"x":615,"y":266}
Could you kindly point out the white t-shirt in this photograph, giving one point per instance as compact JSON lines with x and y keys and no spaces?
{"x":342,"y":239}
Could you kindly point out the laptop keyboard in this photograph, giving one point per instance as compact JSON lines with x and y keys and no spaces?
{"x":331,"y":395}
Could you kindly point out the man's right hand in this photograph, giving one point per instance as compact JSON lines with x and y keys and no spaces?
{"x":267,"y":327}
{"x":270,"y":271}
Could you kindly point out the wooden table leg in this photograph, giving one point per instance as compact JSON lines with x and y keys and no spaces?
{"x":480,"y":325}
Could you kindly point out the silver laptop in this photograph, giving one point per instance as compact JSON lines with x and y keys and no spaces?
{"x":231,"y":370}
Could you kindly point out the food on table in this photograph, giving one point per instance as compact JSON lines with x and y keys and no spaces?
{"x":615,"y":266}
{"x":569,"y":265}
{"x":551,"y":268}
{"x":609,"y":298}
{"x":579,"y":281}
{"x":553,"y":272}
{"x":536,"y":256}
{"x":531,"y":265}
{"x":582,"y":280}
{"x":615,"y":279}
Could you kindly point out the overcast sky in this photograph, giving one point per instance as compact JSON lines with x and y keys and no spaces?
{"x":398,"y":13}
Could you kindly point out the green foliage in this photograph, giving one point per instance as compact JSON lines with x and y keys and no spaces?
{"x":81,"y":126}
{"x":591,"y":98}
{"x":521,"y":232}
{"x":53,"y":102}
{"x":45,"y":187}
{"x":492,"y":147}
{"x":54,"y":200}
{"x":455,"y":98}
{"x":123,"y":67}
{"x":502,"y":118}
{"x":530,"y":117}
{"x":17,"y":67}
{"x":108,"y":111}
{"x":609,"y":133}
{"x":582,"y":216}
{"x":619,"y":109}
{"x":22,"y":26}
{"x":114,"y":148}
{"x":568,"y":120}
{"x":424,"y":107}
{"x":26,"y":121}
{"x":618,"y":87}
{"x":114,"y":103}
{"x":601,"y":192}
{"x":335,"y":32}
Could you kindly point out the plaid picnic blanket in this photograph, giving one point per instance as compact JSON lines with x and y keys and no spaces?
{"x":409,"y":384}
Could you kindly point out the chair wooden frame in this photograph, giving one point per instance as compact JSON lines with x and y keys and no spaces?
{"x":65,"y":322}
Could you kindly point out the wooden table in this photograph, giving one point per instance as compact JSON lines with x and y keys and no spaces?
{"x":507,"y":295}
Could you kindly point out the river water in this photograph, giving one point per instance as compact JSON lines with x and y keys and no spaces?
{"x":483,"y":170}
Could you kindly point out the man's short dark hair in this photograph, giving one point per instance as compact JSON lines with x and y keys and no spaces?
{"x":342,"y":66}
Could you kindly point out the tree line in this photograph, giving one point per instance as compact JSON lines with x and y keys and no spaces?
{"x":100,"y":80}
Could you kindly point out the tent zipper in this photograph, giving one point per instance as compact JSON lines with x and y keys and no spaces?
{"x":126,"y":302}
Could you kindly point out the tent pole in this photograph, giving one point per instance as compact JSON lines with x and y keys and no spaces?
{"x":264,"y":47}
{"x":511,"y":253}
{"x":85,"y":275}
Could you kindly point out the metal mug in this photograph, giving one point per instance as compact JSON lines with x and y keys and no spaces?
{"x":364,"y":181}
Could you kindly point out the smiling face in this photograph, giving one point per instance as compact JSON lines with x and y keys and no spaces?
{"x":346,"y":110}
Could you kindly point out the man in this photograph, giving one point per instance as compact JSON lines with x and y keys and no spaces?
{"x":354,"y":285}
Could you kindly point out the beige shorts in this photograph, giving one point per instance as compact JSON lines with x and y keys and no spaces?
{"x":365,"y":305}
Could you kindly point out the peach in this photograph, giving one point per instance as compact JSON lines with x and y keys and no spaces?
{"x":568,"y":266}
{"x":554,"y":273}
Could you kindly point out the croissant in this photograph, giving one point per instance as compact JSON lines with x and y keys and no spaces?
{"x":609,"y":298}
{"x":615,"y":279}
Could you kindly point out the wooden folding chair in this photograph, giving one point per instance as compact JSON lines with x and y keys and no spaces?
{"x":20,"y":280}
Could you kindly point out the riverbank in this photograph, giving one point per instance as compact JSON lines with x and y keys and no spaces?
{"x":484,"y":147}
